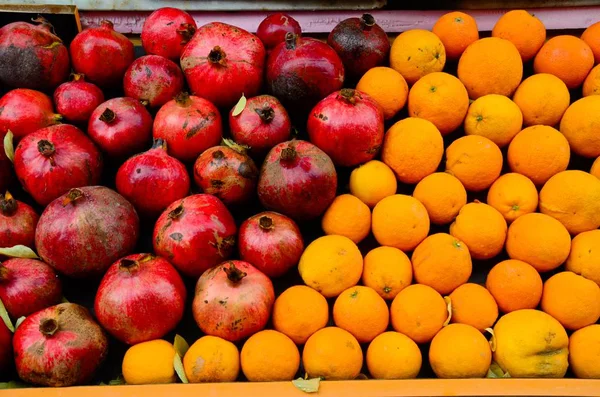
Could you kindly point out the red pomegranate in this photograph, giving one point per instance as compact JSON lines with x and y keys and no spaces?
{"x":297,"y":179}
{"x":348,"y":126}
{"x":233,"y":301}
{"x":273,"y":28}
{"x":121,"y":127}
{"x":271,"y":242}
{"x":141,"y":297}
{"x":166,"y":31}
{"x":17,"y":222}
{"x":195,"y":234}
{"x":189,"y":125}
{"x":6,"y":349}
{"x":23,"y":111}
{"x":32,"y":56}
{"x":59,"y":346}
{"x":262,"y":124}
{"x":55,"y":159}
{"x":361,"y":44}
{"x":152,"y":180}
{"x":102,"y":54}
{"x":6,"y":171}
{"x":77,"y":99}
{"x":153,"y":79}
{"x":228,"y":173}
{"x":83,"y":232}
{"x":28,"y":286}
{"x":222,"y":62}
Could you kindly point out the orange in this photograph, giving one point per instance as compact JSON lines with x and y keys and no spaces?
{"x":299,"y":312}
{"x":482,"y":228}
{"x":269,"y":356}
{"x":571,"y":299}
{"x":515,"y":285}
{"x":413,"y":148}
{"x":416,"y":53}
{"x":490,"y":66}
{"x":212,"y":359}
{"x":429,"y":98}
{"x":572,"y":197}
{"x":475,"y":160}
{"x":591,"y":84}
{"x":400,"y":221}
{"x":567,"y":57}
{"x":539,"y":240}
{"x":538,"y":152}
{"x":584,"y":352}
{"x":584,"y":258}
{"x":495,"y":117}
{"x":362,"y":312}
{"x":372,"y":182}
{"x":393,"y":355}
{"x":457,"y":31}
{"x":333,"y":354}
{"x":472,"y":304}
{"x":595,"y":170}
{"x":460,"y":351}
{"x":513,"y":195}
{"x":443,"y":195}
{"x":149,"y":363}
{"x":522,"y":29}
{"x":387,"y":270}
{"x":543,"y":99}
{"x":347,"y":216}
{"x":387,"y":87}
{"x":592,"y":37}
{"x":580,"y":126}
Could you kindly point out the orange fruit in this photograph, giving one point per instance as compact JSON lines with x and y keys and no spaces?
{"x":584,"y":258}
{"x":495,"y":117}
{"x":591,"y":84}
{"x":387,"y":270}
{"x":474,"y":305}
{"x":400,"y":221}
{"x":584,"y":352}
{"x":482,"y":228}
{"x":443,"y":195}
{"x":475,"y":160}
{"x":347,"y":216}
{"x":332,"y":353}
{"x":413,"y":148}
{"x":416,"y":53}
{"x":580,"y":126}
{"x":362,"y":312}
{"x":393,"y":355}
{"x":567,"y":57}
{"x":515,"y":285}
{"x":592,"y":37}
{"x":513,"y":195}
{"x":539,"y":240}
{"x":572,"y":197}
{"x":457,"y":31}
{"x":372,"y":182}
{"x":539,"y":152}
{"x":429,"y":98}
{"x":543,"y":99}
{"x":387,"y":87}
{"x":595,"y":170}
{"x":442,"y":262}
{"x":418,"y":312}
{"x":522,"y":29}
{"x":490,"y":66}
{"x":299,"y":312}
{"x":149,"y":362}
{"x":211,"y":359}
{"x":269,"y":356}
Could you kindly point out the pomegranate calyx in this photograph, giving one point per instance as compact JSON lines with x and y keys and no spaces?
{"x":159,"y":143}
{"x":48,"y":327}
{"x":8,"y":205}
{"x":108,"y":116}
{"x":291,"y":40}
{"x":266,"y":223}
{"x":186,"y":31}
{"x":177,"y":212}
{"x":217,"y":56}
{"x":47,"y":149}
{"x":349,"y":95}
{"x":73,"y":195}
{"x":129,"y":265}
{"x":4,"y":273}
{"x":106,"y":24}
{"x":266,"y":113}
{"x":183,"y":99}
{"x":367,"y":21}
{"x":77,"y":77}
{"x":230,"y":143}
{"x":43,"y":23}
{"x":288,"y":154}
{"x":234,"y":274}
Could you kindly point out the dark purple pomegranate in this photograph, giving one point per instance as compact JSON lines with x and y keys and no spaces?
{"x":153,"y":79}
{"x":17,"y":222}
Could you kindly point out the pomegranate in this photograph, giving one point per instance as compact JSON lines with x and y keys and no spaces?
{"x":263,"y":123}
{"x":55,"y":159}
{"x":271,"y":242}
{"x":83,"y":232}
{"x":32,"y":56}
{"x":195,"y":234}
{"x":121,"y":127}
{"x":102,"y":54}
{"x":166,"y":31}
{"x":6,"y":349}
{"x":348,"y":126}
{"x":6,"y":170}
{"x":24,"y":111}
{"x":361,"y":44}
{"x":141,"y":297}
{"x":297,"y":179}
{"x":233,"y":301}
{"x":153,"y":79}
{"x":189,"y":125}
{"x":17,"y":222}
{"x":28,"y":286}
{"x":77,"y":99}
{"x":222,"y":62}
{"x":152,"y":180}
{"x":273,"y":28}
{"x":59,"y":346}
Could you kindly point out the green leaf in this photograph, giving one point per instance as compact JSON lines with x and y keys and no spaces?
{"x":19,"y":251}
{"x":307,"y":385}
{"x":13,"y":384}
{"x":178,"y":365}
{"x":118,"y":381}
{"x":181,"y":345}
{"x":239,"y":107}
{"x":9,"y":149}
{"x":64,"y":300}
{"x":19,"y":321}
{"x":496,"y":372}
{"x":5,"y":317}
